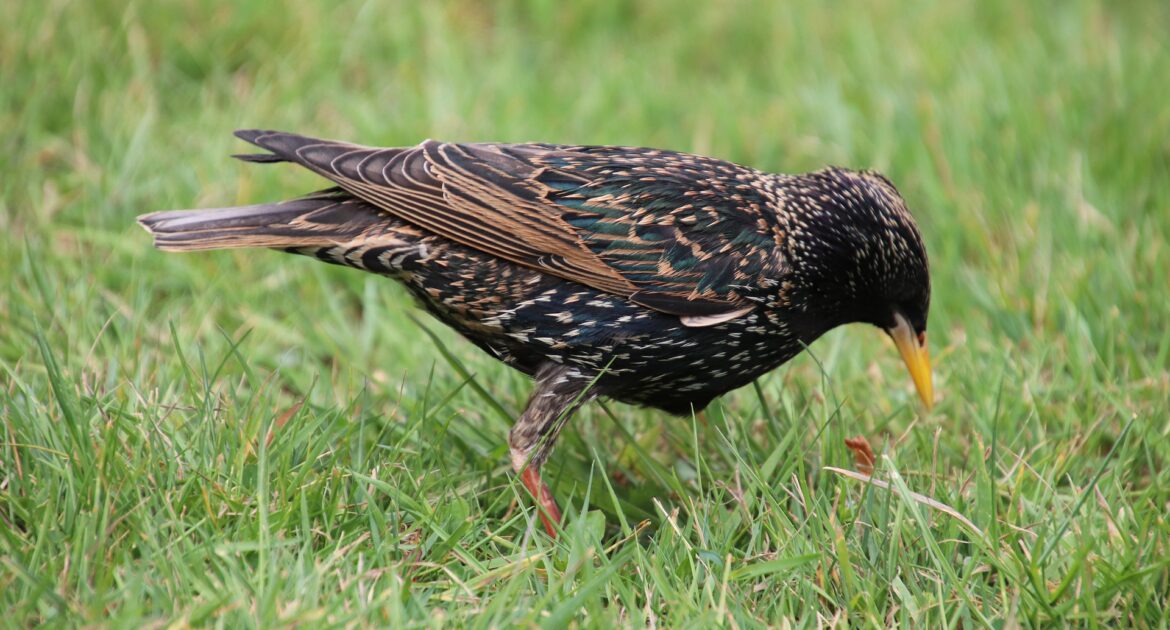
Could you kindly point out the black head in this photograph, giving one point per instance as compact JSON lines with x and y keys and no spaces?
{"x":855,"y":251}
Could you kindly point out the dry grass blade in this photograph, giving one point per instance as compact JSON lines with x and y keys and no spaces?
{"x":920,"y":498}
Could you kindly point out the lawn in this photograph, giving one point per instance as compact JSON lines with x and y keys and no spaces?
{"x":249,"y":438}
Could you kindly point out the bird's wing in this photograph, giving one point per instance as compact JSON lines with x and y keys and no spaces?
{"x":676,"y":233}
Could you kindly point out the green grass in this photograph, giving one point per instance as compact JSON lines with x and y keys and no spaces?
{"x":155,"y":468}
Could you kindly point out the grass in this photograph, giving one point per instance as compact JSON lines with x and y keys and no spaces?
{"x":253,"y":439}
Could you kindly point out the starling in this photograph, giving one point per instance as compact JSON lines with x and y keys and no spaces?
{"x":647,"y":276}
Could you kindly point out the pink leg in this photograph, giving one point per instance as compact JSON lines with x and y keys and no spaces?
{"x":546,"y":505}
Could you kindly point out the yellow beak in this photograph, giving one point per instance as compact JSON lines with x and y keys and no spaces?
{"x":912,"y":347}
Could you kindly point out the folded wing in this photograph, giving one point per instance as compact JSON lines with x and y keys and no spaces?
{"x":677,"y":233}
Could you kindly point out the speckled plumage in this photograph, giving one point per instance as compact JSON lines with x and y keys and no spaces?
{"x":666,"y":279}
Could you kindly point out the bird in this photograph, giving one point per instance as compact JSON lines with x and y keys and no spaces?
{"x":652,"y":277}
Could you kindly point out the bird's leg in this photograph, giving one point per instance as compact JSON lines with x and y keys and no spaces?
{"x":545,"y":502}
{"x":559,"y":391}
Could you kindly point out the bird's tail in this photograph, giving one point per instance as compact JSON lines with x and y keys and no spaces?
{"x":322,"y":219}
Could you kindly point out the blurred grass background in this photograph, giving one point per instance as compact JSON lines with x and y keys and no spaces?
{"x":155,"y":468}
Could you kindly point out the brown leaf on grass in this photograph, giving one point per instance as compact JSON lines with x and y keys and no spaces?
{"x":281,"y":421}
{"x":863,"y":457}
{"x":413,"y":558}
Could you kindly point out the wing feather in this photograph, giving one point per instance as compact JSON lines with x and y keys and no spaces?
{"x":676,"y":233}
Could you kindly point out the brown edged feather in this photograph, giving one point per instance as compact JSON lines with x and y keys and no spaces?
{"x":670,"y":231}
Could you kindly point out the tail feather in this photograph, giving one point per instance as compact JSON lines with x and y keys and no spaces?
{"x":323,"y":219}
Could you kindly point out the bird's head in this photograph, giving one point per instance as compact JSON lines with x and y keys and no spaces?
{"x":856,"y":256}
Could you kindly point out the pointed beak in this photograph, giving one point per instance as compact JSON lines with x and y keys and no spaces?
{"x":912,"y":347}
